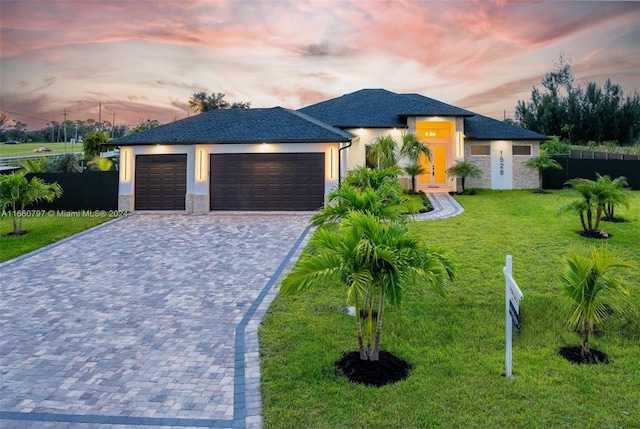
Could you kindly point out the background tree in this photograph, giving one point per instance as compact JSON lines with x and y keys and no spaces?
{"x":92,"y":143}
{"x":464,"y":169}
{"x":17,"y":192}
{"x":588,"y":280}
{"x":541,"y":163}
{"x":202,"y":102}
{"x":580,"y":115}
{"x":151,"y":123}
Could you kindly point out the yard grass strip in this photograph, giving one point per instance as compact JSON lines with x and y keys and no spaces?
{"x":456,"y":346}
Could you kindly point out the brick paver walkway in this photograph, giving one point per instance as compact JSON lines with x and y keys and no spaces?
{"x":444,"y":205}
{"x":150,"y":320}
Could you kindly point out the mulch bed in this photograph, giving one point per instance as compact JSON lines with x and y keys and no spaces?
{"x":573,"y":354}
{"x":595,"y":234}
{"x":389,"y":369}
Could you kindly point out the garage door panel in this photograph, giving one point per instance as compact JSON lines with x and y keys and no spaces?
{"x":267,"y":181}
{"x":161,"y":182}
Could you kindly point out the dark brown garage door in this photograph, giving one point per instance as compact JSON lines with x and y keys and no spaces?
{"x":161,"y":182}
{"x":267,"y":181}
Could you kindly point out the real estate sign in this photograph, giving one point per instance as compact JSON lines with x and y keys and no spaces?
{"x":513,"y":296}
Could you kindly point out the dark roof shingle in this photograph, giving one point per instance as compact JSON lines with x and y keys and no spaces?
{"x":273,"y":125}
{"x":483,"y":128}
{"x":378,"y":108}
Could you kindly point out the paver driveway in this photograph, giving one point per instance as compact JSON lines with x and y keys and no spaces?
{"x":148,"y":320}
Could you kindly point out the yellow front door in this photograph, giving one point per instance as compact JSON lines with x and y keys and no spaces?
{"x":436,"y":170}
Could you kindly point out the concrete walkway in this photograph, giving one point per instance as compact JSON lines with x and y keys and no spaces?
{"x":149,"y":321}
{"x":444,"y":205}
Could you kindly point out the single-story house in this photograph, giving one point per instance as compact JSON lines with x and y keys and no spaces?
{"x":278,"y":159}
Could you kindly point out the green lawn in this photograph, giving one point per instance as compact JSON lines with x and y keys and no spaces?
{"x":42,"y":232}
{"x":26,"y":149}
{"x":456,"y":346}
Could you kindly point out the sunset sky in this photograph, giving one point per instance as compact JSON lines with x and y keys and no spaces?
{"x":143,"y":59}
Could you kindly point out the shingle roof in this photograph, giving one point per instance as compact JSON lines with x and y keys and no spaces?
{"x":273,"y":125}
{"x":483,"y":128}
{"x":378,"y":108}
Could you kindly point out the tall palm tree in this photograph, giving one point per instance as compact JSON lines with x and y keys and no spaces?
{"x":542,"y":163}
{"x":382,"y":152}
{"x":412,"y":149}
{"x":588,"y":279}
{"x":17,"y":192}
{"x":376,"y":261}
{"x":464,"y":169}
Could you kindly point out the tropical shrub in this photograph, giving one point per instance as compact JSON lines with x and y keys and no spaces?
{"x":92,"y":143}
{"x":66,"y":163}
{"x":17,"y":192}
{"x":382,"y":152}
{"x":100,"y":164}
{"x":30,"y":165}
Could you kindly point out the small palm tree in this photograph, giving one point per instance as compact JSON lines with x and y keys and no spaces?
{"x":613,"y":193}
{"x":464,"y":169}
{"x":363,"y":178}
{"x":382,"y":152}
{"x":542,"y":163}
{"x":413,"y":149}
{"x":589,"y":206}
{"x":17,"y":192}
{"x":33,"y":166}
{"x":588,"y":279}
{"x":100,"y":164}
{"x":376,"y":261}
{"x":345,"y":199}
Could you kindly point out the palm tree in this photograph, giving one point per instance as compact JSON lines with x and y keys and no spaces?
{"x":345,"y":199}
{"x":590,"y":205}
{"x":464,"y":169}
{"x":587,"y":280}
{"x":32,"y":166}
{"x":613,"y":193}
{"x":100,"y":164}
{"x":376,"y":261}
{"x":412,"y":149}
{"x":17,"y":192}
{"x":382,"y":152}
{"x":542,"y":163}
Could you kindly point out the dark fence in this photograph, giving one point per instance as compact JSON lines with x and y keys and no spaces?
{"x":81,"y":191}
{"x":573,"y":168}
{"x":590,"y":154}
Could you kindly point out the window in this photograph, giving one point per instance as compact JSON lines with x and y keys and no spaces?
{"x":480,"y":149}
{"x":518,"y":149}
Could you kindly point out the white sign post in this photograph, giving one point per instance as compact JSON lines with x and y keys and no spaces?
{"x":513,"y":296}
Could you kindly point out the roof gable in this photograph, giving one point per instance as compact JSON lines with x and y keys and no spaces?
{"x":273,"y":125}
{"x":378,"y":108}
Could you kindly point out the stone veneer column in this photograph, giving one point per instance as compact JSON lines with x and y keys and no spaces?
{"x":125,"y":203}
{"x":200,"y":204}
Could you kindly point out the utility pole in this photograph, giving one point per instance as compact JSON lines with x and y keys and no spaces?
{"x":52,"y":125}
{"x":65,"y":113}
{"x":100,"y":115}
{"x":113,"y":124}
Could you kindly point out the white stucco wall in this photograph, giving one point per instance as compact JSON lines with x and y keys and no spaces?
{"x":198,"y":169}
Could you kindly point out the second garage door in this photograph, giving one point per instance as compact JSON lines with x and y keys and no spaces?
{"x":267,"y":181}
